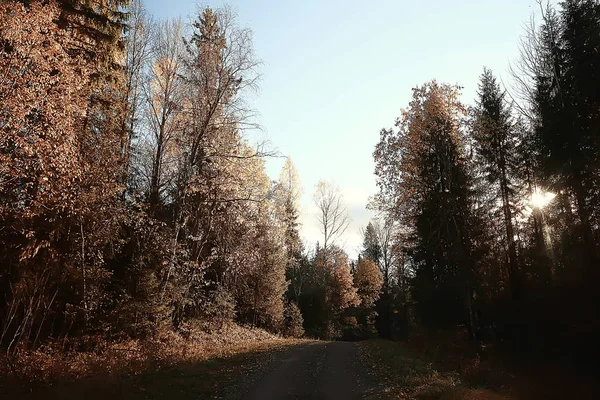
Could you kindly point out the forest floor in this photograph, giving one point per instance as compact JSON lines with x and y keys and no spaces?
{"x":195,"y":363}
{"x":396,"y":370}
{"x":277,"y":368}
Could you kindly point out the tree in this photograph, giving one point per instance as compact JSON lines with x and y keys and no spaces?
{"x":137,"y":51}
{"x":287,"y":194}
{"x":495,"y":141}
{"x":164,"y":95}
{"x":340,"y":293}
{"x":423,"y":181}
{"x":41,"y":116}
{"x":268,"y":281}
{"x":60,"y":127}
{"x":290,"y":182}
{"x":296,"y":260}
{"x":220,"y":66}
{"x":332,"y":215}
{"x":293,"y":321}
{"x":368,"y":281}
{"x":558,"y":135}
{"x":371,"y":247}
{"x":563,"y":125}
{"x":377,"y":246}
{"x":383,"y":247}
{"x":329,"y":295}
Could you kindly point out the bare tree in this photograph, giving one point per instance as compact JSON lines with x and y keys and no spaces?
{"x":384,"y":230}
{"x":164,"y":96}
{"x":290,"y":182}
{"x":532,"y":63}
{"x":137,"y":52}
{"x":378,"y":245}
{"x":333,"y":216}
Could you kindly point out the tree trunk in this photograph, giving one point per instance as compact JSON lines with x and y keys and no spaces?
{"x":513,"y":268}
{"x":584,"y":217}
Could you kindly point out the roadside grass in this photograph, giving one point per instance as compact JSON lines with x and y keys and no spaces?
{"x":498,"y":368}
{"x":448,"y":370}
{"x":195,"y":365}
{"x":207,"y":379}
{"x":395,"y":371}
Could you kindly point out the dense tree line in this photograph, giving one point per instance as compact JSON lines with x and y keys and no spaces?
{"x":495,"y":207}
{"x":131,"y":202}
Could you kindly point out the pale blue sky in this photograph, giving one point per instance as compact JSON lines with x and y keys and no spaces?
{"x":337,"y":71}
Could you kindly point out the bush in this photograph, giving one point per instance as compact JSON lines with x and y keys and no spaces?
{"x":221,"y":308}
{"x":293,"y":321}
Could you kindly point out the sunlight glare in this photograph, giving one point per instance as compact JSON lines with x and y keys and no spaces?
{"x":540,"y":199}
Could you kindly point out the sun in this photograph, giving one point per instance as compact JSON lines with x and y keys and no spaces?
{"x":540,"y":199}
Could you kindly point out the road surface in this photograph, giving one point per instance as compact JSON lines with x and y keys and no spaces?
{"x":320,"y":370}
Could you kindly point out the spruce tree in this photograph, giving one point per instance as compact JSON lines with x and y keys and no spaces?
{"x":566,"y":107}
{"x":371,"y":247}
{"x":495,"y":140}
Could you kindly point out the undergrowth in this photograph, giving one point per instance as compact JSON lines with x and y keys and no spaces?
{"x":57,"y":362}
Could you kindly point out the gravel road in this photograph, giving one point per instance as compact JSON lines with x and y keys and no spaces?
{"x":319,"y":370}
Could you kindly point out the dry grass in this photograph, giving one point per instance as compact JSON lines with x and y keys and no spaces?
{"x":471,"y":394}
{"x":483,"y":369}
{"x":132,"y":357}
{"x":395,"y":371}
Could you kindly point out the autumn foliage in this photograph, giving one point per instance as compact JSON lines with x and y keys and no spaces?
{"x":132,"y":208}
{"x":59,"y":187}
{"x":368,"y":280}
{"x":85,"y":251}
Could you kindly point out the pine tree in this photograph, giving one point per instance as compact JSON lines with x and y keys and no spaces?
{"x":495,"y":139}
{"x":288,"y":193}
{"x":295,"y":269}
{"x":371,"y":248}
{"x":565,"y":130}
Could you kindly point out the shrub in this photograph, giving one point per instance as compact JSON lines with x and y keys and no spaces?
{"x":293,"y":321}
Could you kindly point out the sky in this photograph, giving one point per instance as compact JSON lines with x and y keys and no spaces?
{"x":335,"y":72}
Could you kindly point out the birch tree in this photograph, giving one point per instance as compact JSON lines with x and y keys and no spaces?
{"x":332,"y":214}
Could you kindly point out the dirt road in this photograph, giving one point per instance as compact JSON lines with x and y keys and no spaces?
{"x":369,"y":370}
{"x":320,"y":370}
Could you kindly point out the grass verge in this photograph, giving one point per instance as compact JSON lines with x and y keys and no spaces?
{"x":399,"y":371}
{"x":192,"y":366}
{"x":395,"y":371}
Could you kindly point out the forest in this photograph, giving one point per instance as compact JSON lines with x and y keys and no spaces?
{"x":133,"y":205}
